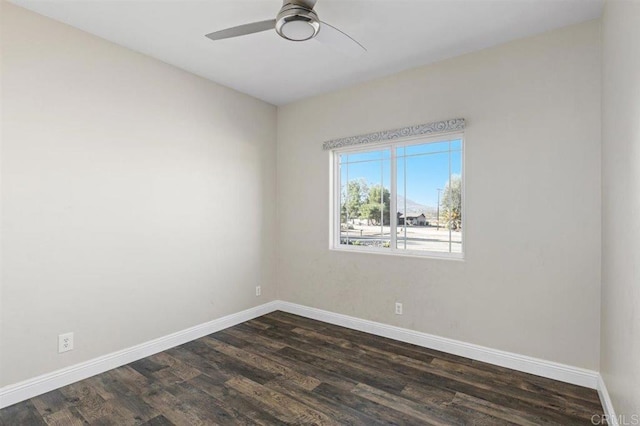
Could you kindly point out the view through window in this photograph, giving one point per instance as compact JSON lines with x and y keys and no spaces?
{"x":404,"y":198}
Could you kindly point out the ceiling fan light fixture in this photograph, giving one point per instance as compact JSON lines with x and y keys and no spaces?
{"x":297,"y":23}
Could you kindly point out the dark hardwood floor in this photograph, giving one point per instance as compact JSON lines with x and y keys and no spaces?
{"x":285,"y":369}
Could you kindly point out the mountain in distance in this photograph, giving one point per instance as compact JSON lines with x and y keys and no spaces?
{"x":414,"y":207}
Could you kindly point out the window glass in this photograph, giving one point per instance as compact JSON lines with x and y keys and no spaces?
{"x":365,"y":191}
{"x":426,"y":189}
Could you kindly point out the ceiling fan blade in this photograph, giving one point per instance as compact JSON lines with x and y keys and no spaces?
{"x":309,"y":4}
{"x":240,"y":30}
{"x":339,"y":40}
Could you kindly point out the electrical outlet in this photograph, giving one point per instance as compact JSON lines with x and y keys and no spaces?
{"x":258,"y":290}
{"x":65,"y":342}
{"x":398,"y":308}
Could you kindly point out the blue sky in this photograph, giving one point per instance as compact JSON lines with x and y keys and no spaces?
{"x":427,"y":168}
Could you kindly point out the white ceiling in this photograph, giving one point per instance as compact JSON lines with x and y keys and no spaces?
{"x":398,"y":34}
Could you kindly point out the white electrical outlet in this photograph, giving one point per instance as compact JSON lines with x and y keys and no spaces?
{"x":258,"y":290}
{"x":65,"y":342}
{"x":398,"y":308}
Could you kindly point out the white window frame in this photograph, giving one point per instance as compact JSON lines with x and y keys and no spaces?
{"x":392,"y":250}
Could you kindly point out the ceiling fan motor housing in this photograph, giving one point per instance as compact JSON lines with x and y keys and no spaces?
{"x":297,"y":23}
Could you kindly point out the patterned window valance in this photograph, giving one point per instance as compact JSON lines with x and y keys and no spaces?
{"x":437,"y":127}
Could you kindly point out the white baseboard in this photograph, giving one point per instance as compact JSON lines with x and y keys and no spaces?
{"x":539,"y":367}
{"x":607,"y":405}
{"x":18,"y":392}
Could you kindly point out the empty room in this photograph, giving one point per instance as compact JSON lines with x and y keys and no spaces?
{"x":327,"y":212}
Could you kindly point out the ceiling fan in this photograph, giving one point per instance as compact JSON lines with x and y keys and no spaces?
{"x":297,"y":21}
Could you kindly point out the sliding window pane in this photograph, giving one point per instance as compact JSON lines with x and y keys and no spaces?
{"x":424,"y":179}
{"x":365,"y":199}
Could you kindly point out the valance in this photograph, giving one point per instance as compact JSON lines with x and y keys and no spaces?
{"x":435,"y":128}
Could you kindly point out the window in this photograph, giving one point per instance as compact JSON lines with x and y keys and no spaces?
{"x":400,"y":198}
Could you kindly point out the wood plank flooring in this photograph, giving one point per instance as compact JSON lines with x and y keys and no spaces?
{"x":285,"y":369}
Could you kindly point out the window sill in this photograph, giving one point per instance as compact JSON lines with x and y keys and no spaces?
{"x":401,"y":253}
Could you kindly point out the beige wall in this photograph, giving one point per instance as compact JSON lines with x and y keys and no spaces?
{"x":620,"y":354}
{"x":137,"y":199}
{"x":530,"y":283}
